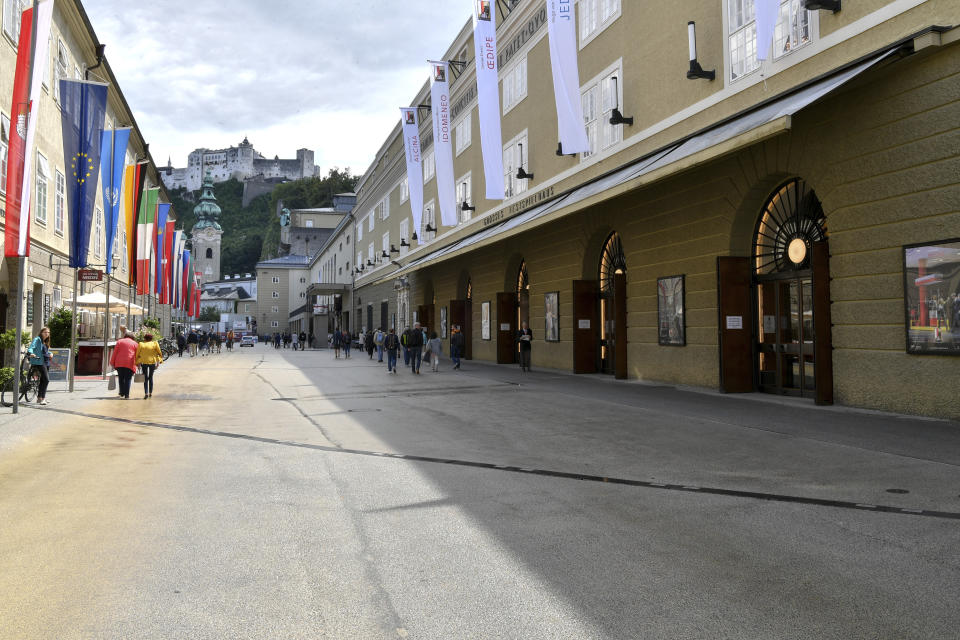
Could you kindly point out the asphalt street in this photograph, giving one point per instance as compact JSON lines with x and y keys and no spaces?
{"x":276,"y":494}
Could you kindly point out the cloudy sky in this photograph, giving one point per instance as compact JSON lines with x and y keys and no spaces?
{"x":327,"y":75}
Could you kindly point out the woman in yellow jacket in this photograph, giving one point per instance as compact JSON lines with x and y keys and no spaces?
{"x":149,"y":358}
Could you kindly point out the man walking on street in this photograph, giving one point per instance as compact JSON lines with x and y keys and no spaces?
{"x":391,"y":343}
{"x":378,"y":339}
{"x":456,"y":346}
{"x":415,"y":346}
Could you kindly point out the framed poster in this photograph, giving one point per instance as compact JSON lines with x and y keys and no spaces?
{"x":551,"y":307}
{"x":931,"y":289}
{"x":443,"y":322}
{"x":672,"y":328}
{"x":485,"y":320}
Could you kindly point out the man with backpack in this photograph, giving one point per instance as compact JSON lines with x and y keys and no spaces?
{"x":415,"y":347}
{"x":391,"y":343}
{"x":378,"y":339}
{"x":404,"y":341}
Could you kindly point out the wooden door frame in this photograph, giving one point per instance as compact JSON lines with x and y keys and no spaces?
{"x":506,"y":315}
{"x":586,"y":342}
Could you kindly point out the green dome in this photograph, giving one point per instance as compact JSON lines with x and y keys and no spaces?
{"x":207,"y":211}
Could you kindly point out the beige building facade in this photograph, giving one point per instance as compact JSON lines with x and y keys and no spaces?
{"x":756,"y":232}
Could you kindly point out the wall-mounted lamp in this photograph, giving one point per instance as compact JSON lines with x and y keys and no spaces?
{"x":429,"y":228}
{"x":696,"y":71}
{"x":615,"y":116}
{"x":413,"y":237}
{"x":560,"y":150}
{"x":384,"y":254}
{"x":393,"y":249}
{"x":404,"y":243}
{"x":521,"y":174}
{"x":466,"y":207}
{"x":826,"y":5}
{"x":369,"y":262}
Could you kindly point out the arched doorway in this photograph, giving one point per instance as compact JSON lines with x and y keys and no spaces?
{"x":613,"y":303}
{"x":523,"y":295}
{"x":426,"y":313}
{"x":461,"y":313}
{"x":513,"y":307}
{"x":790,"y":283}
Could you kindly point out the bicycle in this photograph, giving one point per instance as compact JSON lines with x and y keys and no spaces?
{"x":29,"y":384}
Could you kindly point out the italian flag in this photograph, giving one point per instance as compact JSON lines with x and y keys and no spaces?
{"x":145,"y":222}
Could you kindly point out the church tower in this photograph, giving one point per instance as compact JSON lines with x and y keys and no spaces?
{"x":206,"y":234}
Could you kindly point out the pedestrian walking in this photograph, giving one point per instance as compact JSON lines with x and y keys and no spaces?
{"x":415,"y":345}
{"x":434,"y":348}
{"x":391,"y":343}
{"x":295,"y":341}
{"x":404,"y":341}
{"x":303,"y":341}
{"x":204,"y":343}
{"x":378,"y":339}
{"x":40,"y":359}
{"x":310,"y":340}
{"x":525,"y":337}
{"x":193,"y":340}
{"x":124,"y":361}
{"x":149,"y":357}
{"x":181,"y":344}
{"x":457,"y":344}
{"x":368,"y":343}
{"x":347,"y":338}
{"x":230,"y":338}
{"x":336,"y":339}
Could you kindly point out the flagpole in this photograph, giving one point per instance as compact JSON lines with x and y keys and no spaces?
{"x":106,"y":327}
{"x":108,"y":267}
{"x":22,"y":260}
{"x":73,"y":329}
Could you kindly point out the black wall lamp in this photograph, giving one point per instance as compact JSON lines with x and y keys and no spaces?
{"x":384,"y":254}
{"x":521,"y":174}
{"x":615,"y":116}
{"x":413,"y":237}
{"x":560,"y":150}
{"x":393,"y":249}
{"x":404,"y":243}
{"x":429,"y":228}
{"x":826,"y":5}
{"x":696,"y":71}
{"x":465,"y":206}
{"x":369,"y":262}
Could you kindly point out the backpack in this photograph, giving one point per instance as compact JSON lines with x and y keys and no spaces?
{"x":405,"y":338}
{"x":391,"y":341}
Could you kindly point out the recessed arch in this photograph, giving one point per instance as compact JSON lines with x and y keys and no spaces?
{"x":791,"y":221}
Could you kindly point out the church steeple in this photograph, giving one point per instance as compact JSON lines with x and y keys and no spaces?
{"x":207,"y":211}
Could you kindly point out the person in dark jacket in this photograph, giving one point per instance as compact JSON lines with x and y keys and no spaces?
{"x":192,"y":341}
{"x":391,"y":343}
{"x":181,"y":344}
{"x":415,"y":346}
{"x":457,"y":344}
{"x":368,"y":343}
{"x":336,"y":339}
{"x":303,"y":340}
{"x":524,"y":337}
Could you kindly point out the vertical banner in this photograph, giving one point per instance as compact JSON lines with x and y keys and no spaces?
{"x":411,"y":146}
{"x":113,"y":151}
{"x":443,"y":141}
{"x":134,"y":177}
{"x":175,"y":278}
{"x":184,"y":288}
{"x":566,"y":76}
{"x":84,"y":106}
{"x":163,"y":212}
{"x":168,"y":240}
{"x":767,"y":13}
{"x":145,"y":220}
{"x":488,"y":96}
{"x":26,"y":91}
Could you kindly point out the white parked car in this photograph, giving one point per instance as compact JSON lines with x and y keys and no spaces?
{"x":248,"y":341}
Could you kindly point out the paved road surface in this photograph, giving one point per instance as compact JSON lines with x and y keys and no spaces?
{"x":272,"y":494}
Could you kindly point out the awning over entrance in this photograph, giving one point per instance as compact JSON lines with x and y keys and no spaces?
{"x":98,"y":301}
{"x":327,"y":289}
{"x":746,"y":129}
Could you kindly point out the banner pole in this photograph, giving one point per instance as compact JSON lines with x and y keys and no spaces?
{"x":107,"y":325}
{"x":72,"y":360}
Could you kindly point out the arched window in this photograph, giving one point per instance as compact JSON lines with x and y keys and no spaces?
{"x":612,"y":262}
{"x":209,"y":253}
{"x":792,"y":220}
{"x":523,"y":279}
{"x":469,"y":289}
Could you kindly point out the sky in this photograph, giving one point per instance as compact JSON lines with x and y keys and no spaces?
{"x":327,"y":75}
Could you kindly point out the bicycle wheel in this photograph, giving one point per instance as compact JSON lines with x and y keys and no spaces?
{"x":6,"y":393}
{"x":30,"y":386}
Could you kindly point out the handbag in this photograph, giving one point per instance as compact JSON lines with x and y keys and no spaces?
{"x":139,"y":377}
{"x":112,"y":381}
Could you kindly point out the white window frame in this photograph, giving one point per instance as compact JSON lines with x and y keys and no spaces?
{"x":359,"y":262}
{"x":513,"y":159}
{"x":464,"y":132}
{"x":274,"y":309}
{"x":599,"y":97}
{"x":61,"y":67}
{"x":382,"y":209}
{"x":11,"y":19}
{"x":386,"y":243}
{"x":276,"y":280}
{"x":4,"y":147}
{"x":59,"y":205}
{"x":42,"y":190}
{"x":276,"y":294}
{"x":514,"y":81}
{"x":404,"y":235}
{"x":359,"y":232}
{"x":464,"y":194}
{"x":371,"y":253}
{"x":370,"y":222}
{"x":274,"y":324}
{"x":593,"y":17}
{"x":429,"y":217}
{"x":429,"y":165}
{"x":57,"y":297}
{"x":743,"y":28}
{"x":404,"y":189}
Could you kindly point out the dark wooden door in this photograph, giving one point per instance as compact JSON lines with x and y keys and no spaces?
{"x":620,"y":325}
{"x":586,"y":327}
{"x":458,"y":310}
{"x":467,"y":327}
{"x":384,"y":320}
{"x":822,"y":322}
{"x":735,"y":324}
{"x":506,"y":331}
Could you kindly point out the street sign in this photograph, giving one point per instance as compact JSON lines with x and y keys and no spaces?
{"x":90,"y":275}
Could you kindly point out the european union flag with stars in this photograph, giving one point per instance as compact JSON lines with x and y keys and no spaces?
{"x":84,"y":106}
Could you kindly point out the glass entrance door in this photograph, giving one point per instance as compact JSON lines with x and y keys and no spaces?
{"x":607,"y":335}
{"x":785,"y":336}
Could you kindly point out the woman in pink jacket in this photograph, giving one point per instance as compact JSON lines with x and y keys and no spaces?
{"x":124,"y":360}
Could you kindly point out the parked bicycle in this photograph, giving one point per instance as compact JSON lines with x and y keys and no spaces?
{"x":168,"y":347}
{"x":29,"y":384}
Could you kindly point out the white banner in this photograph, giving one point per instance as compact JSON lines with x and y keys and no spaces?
{"x":44,"y":19}
{"x":566,"y":76}
{"x":443,"y":141}
{"x":411,"y":145}
{"x":488,"y":96}
{"x":767,"y":12}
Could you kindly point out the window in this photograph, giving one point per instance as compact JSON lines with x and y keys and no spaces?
{"x":4,"y":142}
{"x":429,"y":166}
{"x":246,"y":308}
{"x":275,"y":309}
{"x":276,"y":294}
{"x":209,"y":253}
{"x":276,"y":280}
{"x":348,"y":239}
{"x":464,"y":195}
{"x":60,"y":68}
{"x":359,"y":259}
{"x":359,"y":232}
{"x":382,"y":210}
{"x":370,"y":254}
{"x":429,"y":218}
{"x":11,"y":18}
{"x":302,"y":295}
{"x":303,"y":280}
{"x":794,"y":28}
{"x":464,"y":132}
{"x":43,"y":175}
{"x":515,"y":155}
{"x":309,"y":224}
{"x":595,"y":16}
{"x":599,"y":98}
{"x":59,"y":202}
{"x":514,"y":84}
{"x":386,"y":243}
{"x":370,"y":222}
{"x":404,"y":189}
{"x":274,"y":324}
{"x":404,"y":235}
{"x":98,"y":233}
{"x":57,"y":297}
